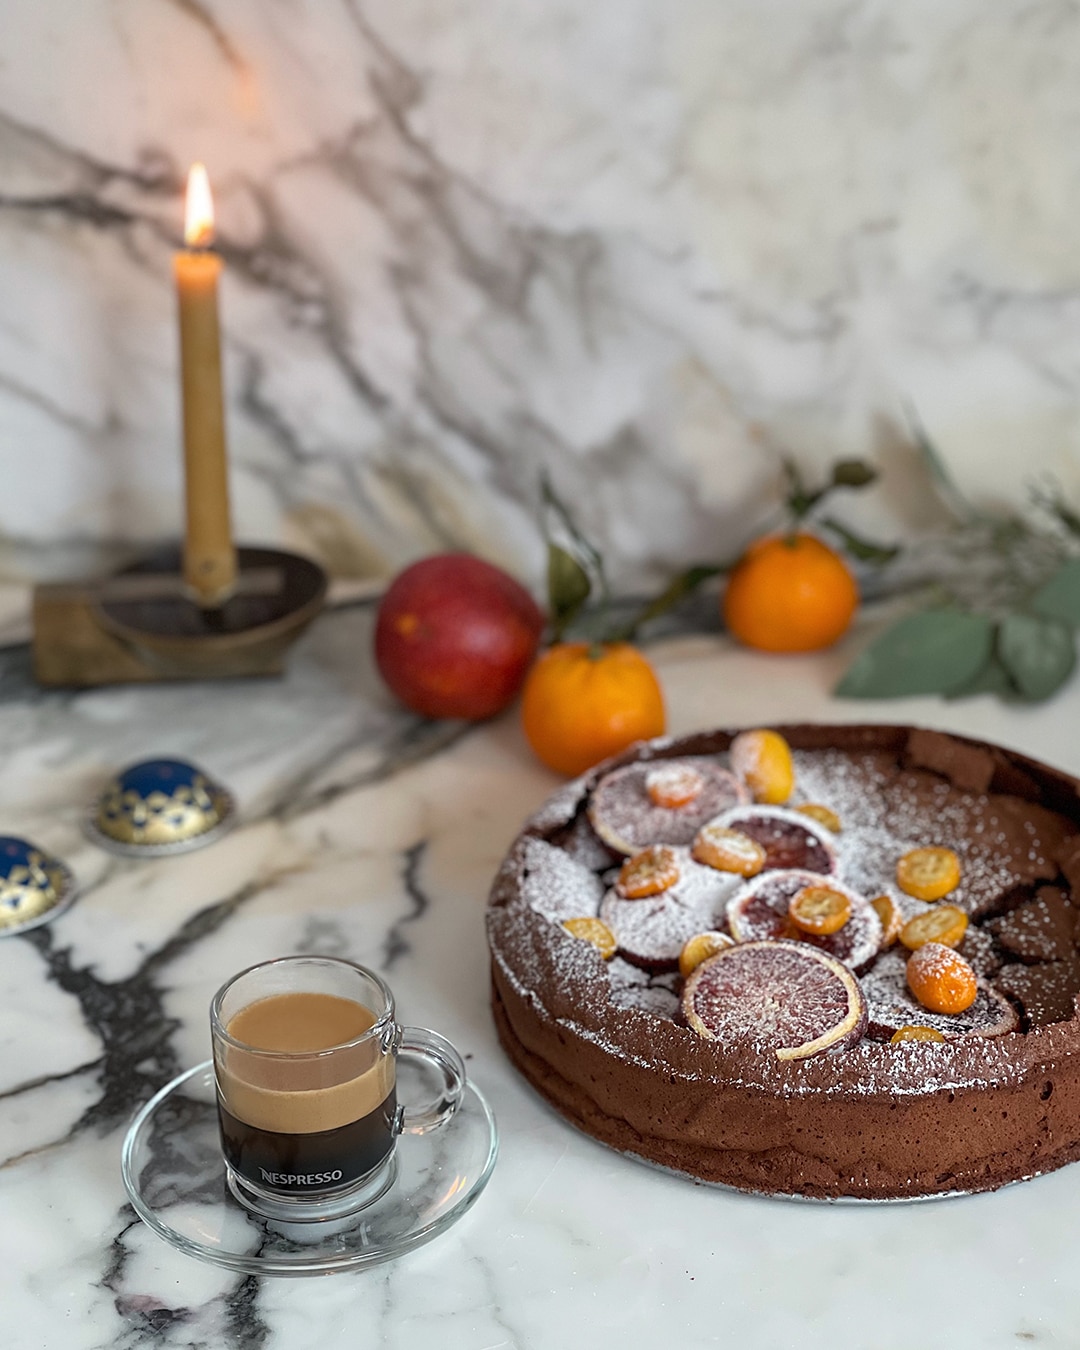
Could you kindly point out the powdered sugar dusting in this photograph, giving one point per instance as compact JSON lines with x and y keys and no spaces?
{"x":654,"y":999}
{"x":556,"y":886}
{"x":654,"y":930}
{"x":625,"y":816}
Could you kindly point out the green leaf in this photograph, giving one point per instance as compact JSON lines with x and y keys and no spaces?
{"x":1059,"y":598}
{"x":568,"y":586}
{"x":853,"y":473}
{"x":863,"y":549}
{"x":1038,"y":653}
{"x":933,"y":652}
{"x":992,"y":679}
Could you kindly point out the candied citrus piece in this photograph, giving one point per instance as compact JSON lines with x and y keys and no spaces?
{"x":673,"y":785}
{"x":944,"y":923}
{"x":592,"y":930}
{"x":699,"y":948}
{"x":888,"y":911}
{"x":915,"y":1034}
{"x":941,"y":979}
{"x":728,"y":851}
{"x":824,"y":815}
{"x":762,"y":759}
{"x":649,"y":872}
{"x":819,"y":910}
{"x":928,"y":873}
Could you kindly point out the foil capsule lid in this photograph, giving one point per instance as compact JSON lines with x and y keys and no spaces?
{"x":35,"y":887}
{"x":159,"y":807}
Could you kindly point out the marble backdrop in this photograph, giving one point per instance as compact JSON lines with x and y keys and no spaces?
{"x":648,"y":244}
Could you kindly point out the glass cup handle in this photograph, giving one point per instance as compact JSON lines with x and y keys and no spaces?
{"x":436,"y":1050}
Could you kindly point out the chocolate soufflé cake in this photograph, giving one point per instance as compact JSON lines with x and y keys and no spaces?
{"x":845,"y":1028}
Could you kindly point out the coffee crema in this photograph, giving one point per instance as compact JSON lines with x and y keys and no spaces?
{"x":281,"y":1079}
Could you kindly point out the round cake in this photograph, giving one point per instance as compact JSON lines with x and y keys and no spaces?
{"x":861,"y":983}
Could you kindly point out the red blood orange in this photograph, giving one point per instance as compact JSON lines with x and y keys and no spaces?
{"x":788,"y":998}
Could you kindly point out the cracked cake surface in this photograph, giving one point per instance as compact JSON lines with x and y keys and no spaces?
{"x":993,"y":1098}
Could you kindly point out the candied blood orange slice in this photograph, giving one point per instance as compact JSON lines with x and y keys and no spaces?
{"x":647,"y":873}
{"x":626,"y":818}
{"x":760,"y":909}
{"x":673,"y":785}
{"x":788,"y":838}
{"x":699,"y":948}
{"x":728,"y":850}
{"x":824,"y":815}
{"x":819,"y":910}
{"x":941,"y":979}
{"x":928,"y":873}
{"x":762,"y":759}
{"x":592,"y":930}
{"x":891,"y":1006}
{"x":944,"y":923}
{"x":787,"y":998}
{"x":651,"y":933}
{"x":891,"y":916}
{"x":915,"y":1034}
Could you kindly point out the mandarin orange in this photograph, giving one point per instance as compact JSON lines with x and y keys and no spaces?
{"x":583,"y":701}
{"x":790,"y":593}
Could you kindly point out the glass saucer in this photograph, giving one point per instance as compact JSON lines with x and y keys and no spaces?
{"x":175,"y":1177}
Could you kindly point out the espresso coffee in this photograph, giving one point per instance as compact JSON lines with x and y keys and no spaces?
{"x":295,"y":1121}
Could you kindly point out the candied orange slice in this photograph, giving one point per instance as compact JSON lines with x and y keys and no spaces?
{"x":699,"y":948}
{"x":673,"y":785}
{"x":647,"y":873}
{"x":928,"y":873}
{"x":941,"y":979}
{"x":824,"y":815}
{"x":888,"y":911}
{"x":915,"y":1034}
{"x":944,"y":923}
{"x":819,"y":910}
{"x":762,"y":759}
{"x":728,"y":850}
{"x":592,"y":930}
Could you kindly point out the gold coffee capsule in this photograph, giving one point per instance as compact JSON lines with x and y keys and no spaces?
{"x":158,"y":807}
{"x":34,"y":886}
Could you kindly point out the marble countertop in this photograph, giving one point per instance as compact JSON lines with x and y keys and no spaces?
{"x":371,"y":834}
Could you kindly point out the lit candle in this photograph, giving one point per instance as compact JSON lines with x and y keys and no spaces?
{"x":209,"y":555}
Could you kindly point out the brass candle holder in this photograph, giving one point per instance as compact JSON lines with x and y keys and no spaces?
{"x":141,"y":625}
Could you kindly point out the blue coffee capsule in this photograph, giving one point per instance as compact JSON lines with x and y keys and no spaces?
{"x":35,"y":887}
{"x":159,"y":807}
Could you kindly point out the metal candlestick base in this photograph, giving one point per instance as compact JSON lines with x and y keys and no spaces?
{"x":141,"y":626}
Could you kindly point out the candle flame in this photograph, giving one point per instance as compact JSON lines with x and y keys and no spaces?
{"x":199,"y":209}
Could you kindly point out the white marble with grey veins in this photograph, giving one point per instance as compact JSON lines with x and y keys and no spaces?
{"x":368,"y":833}
{"x":647,"y":244}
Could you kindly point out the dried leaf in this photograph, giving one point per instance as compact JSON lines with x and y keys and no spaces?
{"x":853,"y":473}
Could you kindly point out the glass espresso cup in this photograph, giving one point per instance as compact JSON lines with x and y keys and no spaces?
{"x":305,"y":1052}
